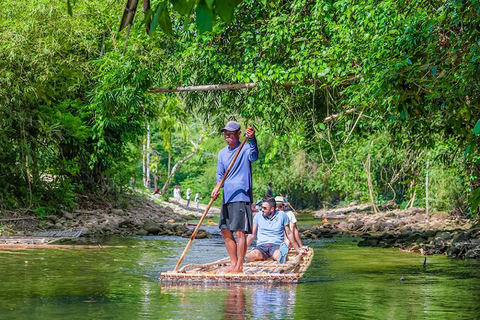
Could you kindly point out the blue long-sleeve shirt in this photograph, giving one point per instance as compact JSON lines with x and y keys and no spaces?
{"x":237,"y":186}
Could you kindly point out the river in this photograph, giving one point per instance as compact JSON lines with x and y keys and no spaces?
{"x":343,"y":282}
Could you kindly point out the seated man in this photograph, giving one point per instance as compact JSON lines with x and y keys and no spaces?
{"x":269,"y":227}
{"x":280,"y":205}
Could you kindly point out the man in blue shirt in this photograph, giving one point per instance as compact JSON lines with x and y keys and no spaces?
{"x":269,"y":228}
{"x":236,"y":214}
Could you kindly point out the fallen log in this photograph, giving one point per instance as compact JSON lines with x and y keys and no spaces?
{"x":21,"y":246}
{"x":337,"y":213}
{"x":16,"y":219}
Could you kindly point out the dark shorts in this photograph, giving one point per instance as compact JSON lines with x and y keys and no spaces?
{"x":267,"y":249}
{"x":236,"y":216}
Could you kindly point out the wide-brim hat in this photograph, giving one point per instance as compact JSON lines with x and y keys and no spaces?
{"x":279,"y":199}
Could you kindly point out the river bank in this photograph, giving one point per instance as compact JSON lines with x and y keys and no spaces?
{"x":133,"y":215}
{"x":145,"y":214}
{"x":409,"y":229}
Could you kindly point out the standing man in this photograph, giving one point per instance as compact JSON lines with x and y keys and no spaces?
{"x":189,"y":193}
{"x":197,"y":199}
{"x":269,"y":193}
{"x":236,"y":214}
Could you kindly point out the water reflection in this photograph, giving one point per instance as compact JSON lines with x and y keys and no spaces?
{"x":273,"y":302}
{"x":242,"y":301}
{"x":235,"y":304}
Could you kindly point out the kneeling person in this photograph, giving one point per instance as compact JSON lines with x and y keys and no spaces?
{"x":269,"y":228}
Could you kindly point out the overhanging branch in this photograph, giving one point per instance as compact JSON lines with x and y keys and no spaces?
{"x":237,"y":86}
{"x":211,"y":87}
{"x":335,"y":116}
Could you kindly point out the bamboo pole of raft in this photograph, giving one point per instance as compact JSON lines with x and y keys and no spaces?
{"x":208,"y":207}
{"x":293,"y":209}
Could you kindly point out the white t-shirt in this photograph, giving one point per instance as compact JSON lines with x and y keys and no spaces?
{"x":292,"y":219}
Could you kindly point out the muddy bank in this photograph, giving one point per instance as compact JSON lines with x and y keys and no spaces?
{"x":134,"y":215}
{"x":410,"y":229}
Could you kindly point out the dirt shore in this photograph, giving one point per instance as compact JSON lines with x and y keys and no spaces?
{"x":142,"y":214}
{"x":409,"y":229}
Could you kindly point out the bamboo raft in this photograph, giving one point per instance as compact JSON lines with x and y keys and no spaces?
{"x":268,"y":271}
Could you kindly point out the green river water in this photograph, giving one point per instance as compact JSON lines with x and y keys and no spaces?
{"x":343,"y":282}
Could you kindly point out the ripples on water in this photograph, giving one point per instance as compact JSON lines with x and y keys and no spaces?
{"x":343,"y":282}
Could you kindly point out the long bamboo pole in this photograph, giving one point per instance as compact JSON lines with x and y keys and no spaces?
{"x":293,"y":209}
{"x":208,"y":207}
{"x":289,"y":204}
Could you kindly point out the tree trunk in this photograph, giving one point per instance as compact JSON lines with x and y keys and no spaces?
{"x":426,"y":189}
{"x":147,"y":164}
{"x":143,"y":164}
{"x":369,"y":181}
{"x":179,"y":163}
{"x":169,"y":163}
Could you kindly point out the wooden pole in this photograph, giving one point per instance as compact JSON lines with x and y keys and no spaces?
{"x":293,"y":209}
{"x":208,"y":207}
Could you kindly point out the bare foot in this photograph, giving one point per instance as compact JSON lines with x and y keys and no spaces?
{"x":237,"y":270}
{"x":228,"y":269}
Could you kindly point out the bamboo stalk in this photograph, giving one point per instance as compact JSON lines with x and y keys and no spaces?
{"x":208,"y":207}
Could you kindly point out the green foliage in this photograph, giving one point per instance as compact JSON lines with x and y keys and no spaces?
{"x":69,"y":103}
{"x":74,"y":107}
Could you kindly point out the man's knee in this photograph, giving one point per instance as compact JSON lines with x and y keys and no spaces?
{"x":276,"y":254}
{"x":240,"y":234}
{"x":227,"y":234}
{"x":254,"y":255}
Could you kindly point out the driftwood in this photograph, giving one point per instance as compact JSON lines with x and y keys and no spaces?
{"x":341,"y":213}
{"x":20,"y":246}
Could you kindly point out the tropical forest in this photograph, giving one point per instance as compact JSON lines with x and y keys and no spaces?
{"x":366,"y":114}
